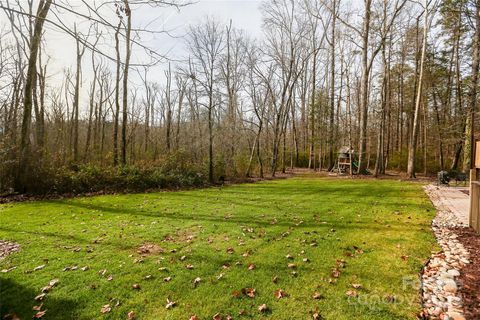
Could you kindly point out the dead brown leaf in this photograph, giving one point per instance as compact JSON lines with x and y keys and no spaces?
{"x":131,"y":315}
{"x":106,"y":309}
{"x":39,"y":314}
{"x":40,"y":297}
{"x":263,"y":308}
{"x":236,"y":294}
{"x":317,"y":296}
{"x":37,"y":308}
{"x":39,"y":267}
{"x":352,"y":293}
{"x":170,"y":304}
{"x":335,"y":273}
{"x":279,"y":294}
{"x":249,"y":292}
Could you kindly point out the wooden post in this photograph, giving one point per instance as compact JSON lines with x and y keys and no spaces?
{"x":474,"y":201}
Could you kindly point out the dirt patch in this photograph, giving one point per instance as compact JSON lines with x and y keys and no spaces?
{"x":150,"y":249}
{"x":7,"y":248}
{"x":470,"y":274}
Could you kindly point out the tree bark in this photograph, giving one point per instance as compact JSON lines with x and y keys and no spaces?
{"x":42,"y":11}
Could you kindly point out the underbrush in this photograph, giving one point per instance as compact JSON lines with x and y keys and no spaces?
{"x":46,"y":178}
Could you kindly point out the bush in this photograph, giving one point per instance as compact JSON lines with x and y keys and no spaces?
{"x":91,"y":178}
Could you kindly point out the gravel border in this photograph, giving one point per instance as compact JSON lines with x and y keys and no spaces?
{"x":440,"y":277}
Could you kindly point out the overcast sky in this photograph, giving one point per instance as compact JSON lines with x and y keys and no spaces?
{"x":60,"y":47}
{"x":245,"y":14}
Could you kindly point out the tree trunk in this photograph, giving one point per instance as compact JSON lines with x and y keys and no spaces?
{"x":413,"y":138}
{"x":42,"y":11}
{"x":128,"y":13}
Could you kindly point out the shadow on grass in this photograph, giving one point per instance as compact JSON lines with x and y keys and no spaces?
{"x":18,"y":299}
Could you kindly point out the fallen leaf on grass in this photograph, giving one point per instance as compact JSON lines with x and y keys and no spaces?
{"x":390,"y":298}
{"x":194,"y":317}
{"x":196,"y":282}
{"x":335,"y":273}
{"x":217,"y":316}
{"x":110,"y":278}
{"x":352,"y":293}
{"x":250,"y":292}
{"x":356,"y":285}
{"x":131,"y":315}
{"x":37,"y":308}
{"x":275,"y":279}
{"x":39,"y":314}
{"x":53,"y":282}
{"x":106,"y":309}
{"x":404,"y":258}
{"x":170,"y":304}
{"x":9,"y":269}
{"x":40,"y":297}
{"x":84,"y":268}
{"x":251,"y":266}
{"x":236,"y":294}
{"x":279,"y":294}
{"x":289,"y":257}
{"x":136,"y":286}
{"x":263,"y":308}
{"x":230,"y":250}
{"x":341,"y":263}
{"x":317,"y":296}
{"x":46,"y":289}
{"x":39,"y":267}
{"x":102,"y":272}
{"x":189,"y":266}
{"x":292,"y":265}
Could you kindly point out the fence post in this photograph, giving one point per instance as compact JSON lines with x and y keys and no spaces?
{"x":474,"y":201}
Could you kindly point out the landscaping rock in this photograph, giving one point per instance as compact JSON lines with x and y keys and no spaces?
{"x":441,"y":299}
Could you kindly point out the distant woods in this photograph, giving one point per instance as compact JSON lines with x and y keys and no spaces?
{"x":396,"y":81}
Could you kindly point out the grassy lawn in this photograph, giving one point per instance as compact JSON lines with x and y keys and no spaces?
{"x":367,"y":232}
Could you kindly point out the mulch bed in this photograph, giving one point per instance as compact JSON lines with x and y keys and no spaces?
{"x":470,"y":274}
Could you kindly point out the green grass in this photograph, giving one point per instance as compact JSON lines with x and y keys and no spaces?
{"x":385,"y":220}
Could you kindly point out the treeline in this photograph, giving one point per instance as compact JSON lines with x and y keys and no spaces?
{"x":394,"y":80}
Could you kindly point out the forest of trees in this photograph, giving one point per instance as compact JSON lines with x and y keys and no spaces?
{"x":395,"y":80}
